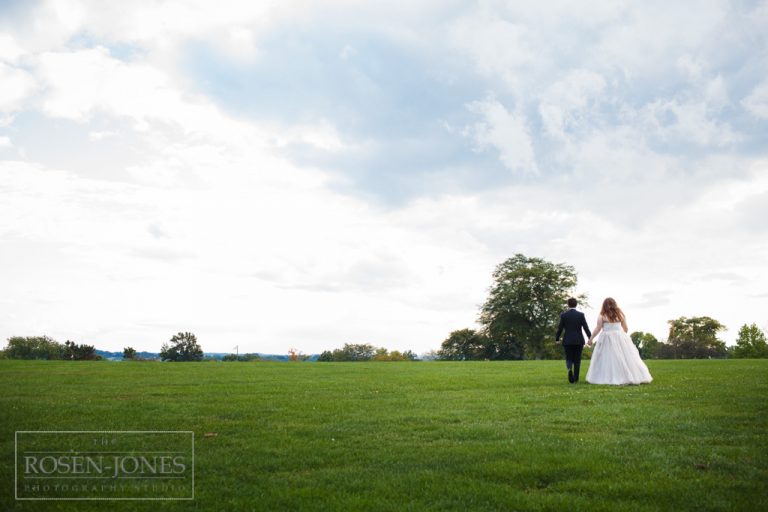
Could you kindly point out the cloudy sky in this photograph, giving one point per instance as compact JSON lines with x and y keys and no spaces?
{"x":306,"y":174}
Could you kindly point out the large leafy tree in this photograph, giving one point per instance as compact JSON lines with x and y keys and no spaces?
{"x":751,"y":342}
{"x":692,"y":338}
{"x":523,"y":308}
{"x":183,"y":347}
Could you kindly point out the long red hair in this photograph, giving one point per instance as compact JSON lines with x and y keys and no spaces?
{"x":611,"y":311}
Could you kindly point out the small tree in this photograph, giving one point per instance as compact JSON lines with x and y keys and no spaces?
{"x":77,"y":352}
{"x":382,"y":354}
{"x":129,"y":353}
{"x":751,"y":342}
{"x":295,"y":355}
{"x":463,"y":345}
{"x":646,"y":343}
{"x":183,"y":347}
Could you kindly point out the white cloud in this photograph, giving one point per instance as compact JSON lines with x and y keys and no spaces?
{"x":79,"y":82}
{"x":157,"y":230}
{"x":347,"y":53}
{"x":716,"y":94}
{"x":505,"y":131}
{"x":615,"y":121}
{"x":239,"y":43}
{"x":10,"y":50}
{"x":322,"y":135}
{"x":150,"y":22}
{"x":672,"y":121}
{"x":18,"y":85}
{"x":645,"y":40}
{"x":100,"y":135}
{"x":497,"y":47}
{"x":757,"y":101}
{"x":564,"y":103}
{"x":164,"y":173}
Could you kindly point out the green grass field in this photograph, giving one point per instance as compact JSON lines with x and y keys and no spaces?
{"x":417,"y":436}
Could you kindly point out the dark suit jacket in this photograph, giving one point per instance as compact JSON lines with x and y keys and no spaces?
{"x":573,"y":322}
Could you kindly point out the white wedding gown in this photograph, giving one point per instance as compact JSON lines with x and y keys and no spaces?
{"x":615,"y":359}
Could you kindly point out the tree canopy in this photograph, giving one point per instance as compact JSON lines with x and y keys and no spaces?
{"x":365,"y":352}
{"x":692,"y":338}
{"x":34,"y":347}
{"x":80,"y":352}
{"x":646,"y":343}
{"x":463,"y":345}
{"x":183,"y":347}
{"x":243,"y":358}
{"x":751,"y":342}
{"x":523,"y":308}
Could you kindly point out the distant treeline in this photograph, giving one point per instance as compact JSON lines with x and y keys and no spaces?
{"x":689,"y":338}
{"x":365,"y":352}
{"x":43,"y":347}
{"x":182,"y":347}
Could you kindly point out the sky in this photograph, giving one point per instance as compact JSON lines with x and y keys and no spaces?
{"x":296,"y":174}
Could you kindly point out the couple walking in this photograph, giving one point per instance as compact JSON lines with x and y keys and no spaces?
{"x":615,"y":359}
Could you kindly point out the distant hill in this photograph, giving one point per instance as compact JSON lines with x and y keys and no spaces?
{"x":118,"y":356}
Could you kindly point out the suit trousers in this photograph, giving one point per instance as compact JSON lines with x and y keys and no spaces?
{"x":573,"y":355}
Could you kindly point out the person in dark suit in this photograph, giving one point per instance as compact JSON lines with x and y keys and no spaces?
{"x":573,"y":321}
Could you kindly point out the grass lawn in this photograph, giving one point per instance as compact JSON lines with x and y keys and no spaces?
{"x":417,"y":436}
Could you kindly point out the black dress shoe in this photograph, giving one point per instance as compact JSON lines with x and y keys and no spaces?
{"x":570,"y":376}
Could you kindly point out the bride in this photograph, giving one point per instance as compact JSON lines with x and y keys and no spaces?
{"x":615,"y":359}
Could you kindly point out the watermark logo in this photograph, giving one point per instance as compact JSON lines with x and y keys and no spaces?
{"x":105,"y":465}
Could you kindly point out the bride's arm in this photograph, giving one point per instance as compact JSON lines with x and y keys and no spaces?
{"x":598,"y":328}
{"x":624,"y":325}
